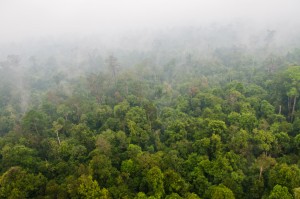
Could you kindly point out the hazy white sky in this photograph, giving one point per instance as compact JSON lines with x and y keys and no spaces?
{"x":40,"y":18}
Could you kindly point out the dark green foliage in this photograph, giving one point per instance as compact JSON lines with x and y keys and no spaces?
{"x":18,"y":183}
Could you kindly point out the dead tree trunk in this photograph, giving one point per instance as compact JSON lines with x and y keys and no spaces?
{"x":279,"y":112}
{"x":58,"y":138}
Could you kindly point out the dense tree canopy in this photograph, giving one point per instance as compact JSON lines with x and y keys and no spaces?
{"x":222,"y":124}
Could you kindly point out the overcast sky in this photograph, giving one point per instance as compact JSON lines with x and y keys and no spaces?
{"x":21,"y":19}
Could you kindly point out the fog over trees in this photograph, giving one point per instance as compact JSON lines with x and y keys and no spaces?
{"x":149,"y":99}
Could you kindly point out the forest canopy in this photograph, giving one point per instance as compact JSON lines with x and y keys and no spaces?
{"x":180,"y":113}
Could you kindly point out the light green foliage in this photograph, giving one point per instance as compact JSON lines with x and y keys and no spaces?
{"x":192,"y":196}
{"x":174,"y":183}
{"x":128,"y":166}
{"x":296,"y":192}
{"x":141,"y":195}
{"x":134,"y":150}
{"x":266,"y":109}
{"x":183,"y":104}
{"x":248,"y":121}
{"x":121,"y":109}
{"x":234,"y":118}
{"x":216,"y":145}
{"x":202,"y":146}
{"x":216,"y":127}
{"x":285,"y":175}
{"x":280,"y":192}
{"x":218,"y":192}
{"x":263,"y":139}
{"x":155,"y":182}
{"x":88,"y":188}
{"x":293,"y":75}
{"x":173,"y":196}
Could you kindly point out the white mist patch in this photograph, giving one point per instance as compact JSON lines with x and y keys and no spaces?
{"x":35,"y":19}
